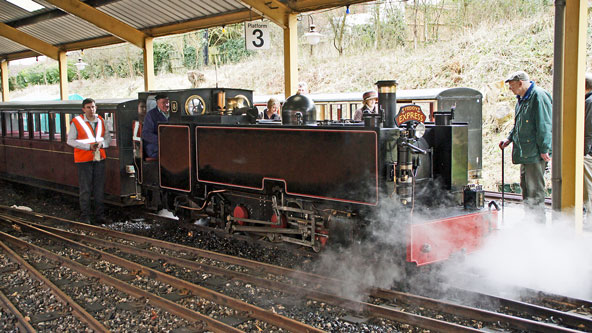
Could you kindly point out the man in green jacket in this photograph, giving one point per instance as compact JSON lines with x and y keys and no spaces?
{"x":531,"y":136}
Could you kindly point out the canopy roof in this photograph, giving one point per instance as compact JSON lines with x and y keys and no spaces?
{"x":64,"y":25}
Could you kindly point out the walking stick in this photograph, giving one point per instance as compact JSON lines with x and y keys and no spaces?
{"x":503,"y":184}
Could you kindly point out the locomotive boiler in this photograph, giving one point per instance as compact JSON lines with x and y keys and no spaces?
{"x":306,"y":181}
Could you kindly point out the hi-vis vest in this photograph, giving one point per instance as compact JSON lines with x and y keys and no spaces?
{"x":87,"y":135}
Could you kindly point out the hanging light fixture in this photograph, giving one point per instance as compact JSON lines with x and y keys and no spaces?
{"x":80,"y":65}
{"x":313,"y":37}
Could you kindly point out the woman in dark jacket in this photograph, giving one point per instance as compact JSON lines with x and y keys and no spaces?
{"x":273,"y":109}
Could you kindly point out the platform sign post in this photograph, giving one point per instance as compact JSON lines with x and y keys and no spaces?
{"x":257,"y":36}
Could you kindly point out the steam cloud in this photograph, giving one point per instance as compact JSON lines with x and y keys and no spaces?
{"x":549,"y":256}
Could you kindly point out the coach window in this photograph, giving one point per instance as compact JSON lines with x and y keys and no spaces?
{"x":12,"y":124}
{"x":26,"y":125}
{"x":40,"y":125}
{"x":68,"y":117}
{"x":335,"y":111}
{"x":55,"y":126}
{"x":320,"y":111}
{"x":352,"y":109}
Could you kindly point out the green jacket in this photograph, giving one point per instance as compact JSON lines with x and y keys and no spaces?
{"x":531,"y":134}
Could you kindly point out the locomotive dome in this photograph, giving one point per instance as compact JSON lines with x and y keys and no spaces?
{"x":299,"y":110}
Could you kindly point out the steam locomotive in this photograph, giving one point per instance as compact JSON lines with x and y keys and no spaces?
{"x":305,"y":179}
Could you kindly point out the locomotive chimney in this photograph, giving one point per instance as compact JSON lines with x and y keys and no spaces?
{"x":387,"y":101}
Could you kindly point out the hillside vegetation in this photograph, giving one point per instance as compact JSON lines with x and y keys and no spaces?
{"x":492,"y":42}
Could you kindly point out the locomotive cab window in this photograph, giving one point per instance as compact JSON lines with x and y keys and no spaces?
{"x":195,"y":105}
{"x":150,"y":103}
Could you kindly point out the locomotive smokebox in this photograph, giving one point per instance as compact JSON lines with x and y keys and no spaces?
{"x":387,"y":101}
{"x":299,"y":110}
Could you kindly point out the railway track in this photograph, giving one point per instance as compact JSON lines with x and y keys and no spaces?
{"x":114,"y":278}
{"x":511,"y":197}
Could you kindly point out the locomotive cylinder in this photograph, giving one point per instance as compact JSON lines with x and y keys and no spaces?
{"x":387,"y":101}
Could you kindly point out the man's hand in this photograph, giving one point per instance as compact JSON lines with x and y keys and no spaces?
{"x":546,"y":157}
{"x":504,"y":143}
{"x":94,"y":146}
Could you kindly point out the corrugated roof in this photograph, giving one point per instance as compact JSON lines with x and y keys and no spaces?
{"x":56,"y":27}
{"x":63,"y":29}
{"x":69,"y":32}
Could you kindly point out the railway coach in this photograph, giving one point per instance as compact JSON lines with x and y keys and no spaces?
{"x":33,"y":148}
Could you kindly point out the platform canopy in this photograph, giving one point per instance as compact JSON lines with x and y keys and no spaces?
{"x":72,"y":25}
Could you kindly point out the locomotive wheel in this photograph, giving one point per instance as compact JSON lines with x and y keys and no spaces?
{"x":316,"y":246}
{"x":283,"y":224}
{"x":240,"y":211}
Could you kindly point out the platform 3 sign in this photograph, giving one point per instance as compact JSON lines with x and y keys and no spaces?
{"x":257,"y":35}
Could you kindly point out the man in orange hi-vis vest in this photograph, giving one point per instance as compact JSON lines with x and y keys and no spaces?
{"x":89,"y":137}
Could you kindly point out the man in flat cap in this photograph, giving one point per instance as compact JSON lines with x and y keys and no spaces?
{"x":160,"y":114}
{"x":531,"y":136}
{"x":369,"y":99}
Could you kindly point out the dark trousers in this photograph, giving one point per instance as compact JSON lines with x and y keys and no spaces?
{"x":91,"y":180}
{"x":532,"y":181}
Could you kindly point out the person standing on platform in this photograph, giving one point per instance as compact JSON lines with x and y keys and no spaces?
{"x":302,"y":88}
{"x":89,"y":137}
{"x":160,"y":114}
{"x":369,"y":99}
{"x":531,"y":136}
{"x":588,"y":149}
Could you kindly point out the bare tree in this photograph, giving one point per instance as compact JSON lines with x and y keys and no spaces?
{"x":338,"y":28}
{"x":415,"y":12}
{"x":377,"y":24}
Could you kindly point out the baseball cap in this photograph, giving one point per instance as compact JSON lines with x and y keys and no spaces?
{"x":518,"y":76}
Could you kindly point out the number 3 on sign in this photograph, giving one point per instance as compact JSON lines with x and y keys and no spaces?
{"x":256,"y":36}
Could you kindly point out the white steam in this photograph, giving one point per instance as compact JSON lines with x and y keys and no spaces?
{"x":550,"y":256}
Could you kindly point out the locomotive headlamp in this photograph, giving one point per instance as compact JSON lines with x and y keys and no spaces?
{"x":419,"y":130}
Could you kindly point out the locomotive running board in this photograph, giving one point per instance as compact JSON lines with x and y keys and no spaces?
{"x":437,"y":240}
